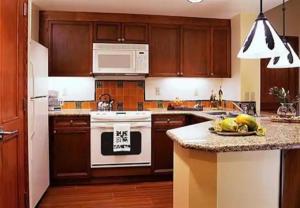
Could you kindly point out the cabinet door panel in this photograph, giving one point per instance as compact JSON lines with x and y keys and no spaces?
{"x":221,"y":57}
{"x":70,"y":49}
{"x":162,"y":151}
{"x":164,"y":50}
{"x":196,"y":51}
{"x":135,"y":33}
{"x":70,"y":154}
{"x":108,"y":32}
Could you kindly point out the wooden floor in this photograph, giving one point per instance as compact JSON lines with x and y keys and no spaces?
{"x":137,"y":195}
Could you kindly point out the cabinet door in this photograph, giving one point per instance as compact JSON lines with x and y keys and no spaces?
{"x":221,"y":53}
{"x":70,"y":153}
{"x":70,"y":49}
{"x":196,"y":51}
{"x":290,"y":179}
{"x":108,"y":32}
{"x":164,"y":50}
{"x":135,"y":33}
{"x":162,"y":151}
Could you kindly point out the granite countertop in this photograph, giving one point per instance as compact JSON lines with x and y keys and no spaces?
{"x":278,"y":136}
{"x":70,"y":112}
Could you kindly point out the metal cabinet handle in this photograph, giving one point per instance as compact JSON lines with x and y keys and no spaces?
{"x":178,"y":73}
{"x":168,"y":120}
{"x":71,"y":122}
{"x":54,"y":131}
{"x":7,"y":133}
{"x":119,"y":39}
{"x":123,"y":39}
{"x":212,"y":74}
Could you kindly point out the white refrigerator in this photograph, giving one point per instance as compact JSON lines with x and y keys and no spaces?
{"x":38,"y":133}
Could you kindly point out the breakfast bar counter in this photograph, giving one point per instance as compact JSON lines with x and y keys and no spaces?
{"x":278,"y":136}
{"x":214,"y":171}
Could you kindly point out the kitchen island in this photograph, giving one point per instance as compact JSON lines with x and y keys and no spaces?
{"x":231,"y":172}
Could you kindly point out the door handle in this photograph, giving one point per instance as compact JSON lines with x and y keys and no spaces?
{"x":7,"y":133}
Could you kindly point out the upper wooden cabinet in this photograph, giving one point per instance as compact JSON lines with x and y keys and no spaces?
{"x":164,"y":50}
{"x":221,"y":52}
{"x":178,"y":46}
{"x":196,"y":51}
{"x":110,"y":32}
{"x":70,"y":45}
{"x":107,"y":32}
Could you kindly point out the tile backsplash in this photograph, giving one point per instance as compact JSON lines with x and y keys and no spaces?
{"x":128,"y":95}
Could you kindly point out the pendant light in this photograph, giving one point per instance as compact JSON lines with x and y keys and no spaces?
{"x":262,"y":41}
{"x":291,"y":60}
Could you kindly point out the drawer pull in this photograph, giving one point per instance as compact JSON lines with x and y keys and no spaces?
{"x":54,"y":131}
{"x":71,"y":122}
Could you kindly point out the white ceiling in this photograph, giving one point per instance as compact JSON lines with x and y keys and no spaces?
{"x":207,"y":8}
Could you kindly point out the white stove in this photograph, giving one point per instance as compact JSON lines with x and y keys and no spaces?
{"x":103,"y":154}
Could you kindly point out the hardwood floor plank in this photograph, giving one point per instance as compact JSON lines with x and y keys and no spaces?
{"x":137,"y":195}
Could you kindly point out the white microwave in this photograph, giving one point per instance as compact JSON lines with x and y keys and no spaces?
{"x":125,"y":59}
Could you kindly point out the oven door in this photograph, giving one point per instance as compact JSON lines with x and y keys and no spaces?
{"x":103,"y":156}
{"x":113,"y":61}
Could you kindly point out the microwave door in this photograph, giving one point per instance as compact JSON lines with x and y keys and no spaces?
{"x":114,"y":61}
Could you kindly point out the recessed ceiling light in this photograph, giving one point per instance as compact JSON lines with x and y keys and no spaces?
{"x":195,"y":1}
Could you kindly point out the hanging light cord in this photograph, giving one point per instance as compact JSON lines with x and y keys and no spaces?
{"x":283,"y":12}
{"x":261,"y":6}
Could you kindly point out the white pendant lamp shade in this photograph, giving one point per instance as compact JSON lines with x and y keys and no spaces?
{"x":291,"y":60}
{"x":262,"y":41}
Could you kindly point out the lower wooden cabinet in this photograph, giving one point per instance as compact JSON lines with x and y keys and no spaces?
{"x":290,"y":186}
{"x":162,"y":145}
{"x":69,"y":148}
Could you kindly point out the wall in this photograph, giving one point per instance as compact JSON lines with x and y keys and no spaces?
{"x":245,"y":82}
{"x":183,"y":88}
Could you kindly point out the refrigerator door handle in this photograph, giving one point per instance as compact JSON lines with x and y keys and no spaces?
{"x":37,"y":97}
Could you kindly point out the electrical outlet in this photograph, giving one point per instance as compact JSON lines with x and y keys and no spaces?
{"x":252,"y":96}
{"x":157,"y":91}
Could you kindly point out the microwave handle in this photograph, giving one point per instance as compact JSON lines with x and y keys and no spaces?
{"x":110,"y":126}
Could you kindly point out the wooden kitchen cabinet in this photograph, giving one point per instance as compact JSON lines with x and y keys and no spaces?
{"x":111,"y":32}
{"x":162,"y":145}
{"x":221,"y":52}
{"x":164,"y":50}
{"x":69,"y":147}
{"x":196,"y":51}
{"x":290,"y":186}
{"x":70,"y":48}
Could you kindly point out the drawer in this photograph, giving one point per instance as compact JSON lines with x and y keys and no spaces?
{"x":168,"y":121}
{"x":71,"y":121}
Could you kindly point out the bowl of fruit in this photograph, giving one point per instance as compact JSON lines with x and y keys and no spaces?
{"x":242,"y":125}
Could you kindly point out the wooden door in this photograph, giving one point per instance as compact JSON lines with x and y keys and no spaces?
{"x":196,"y":51}
{"x":221,"y":52}
{"x":134,"y":33}
{"x":71,"y":48}
{"x":164,"y":50}
{"x":13,"y":53}
{"x":287,"y":78}
{"x":108,"y":32}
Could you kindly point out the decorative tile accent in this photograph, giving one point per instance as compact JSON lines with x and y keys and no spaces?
{"x":120,"y":106}
{"x":119,"y":84}
{"x":98,"y":84}
{"x":140,"y":106}
{"x":130,"y":95}
{"x":78,"y":105}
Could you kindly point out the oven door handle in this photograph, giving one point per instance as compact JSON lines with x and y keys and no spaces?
{"x":111,"y":126}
